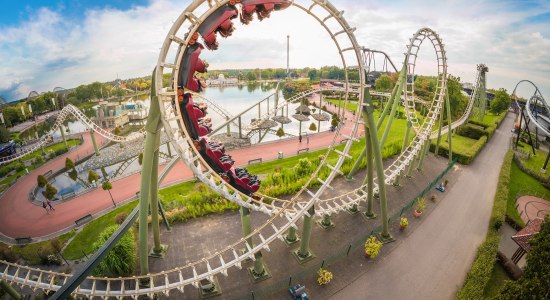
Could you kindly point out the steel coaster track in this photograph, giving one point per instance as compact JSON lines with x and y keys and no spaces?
{"x":63,"y":114}
{"x":283,"y":213}
{"x":533,"y":100}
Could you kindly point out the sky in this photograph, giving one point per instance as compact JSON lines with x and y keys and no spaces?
{"x":65,"y":43}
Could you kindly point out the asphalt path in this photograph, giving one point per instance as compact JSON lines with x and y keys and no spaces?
{"x":432,"y":262}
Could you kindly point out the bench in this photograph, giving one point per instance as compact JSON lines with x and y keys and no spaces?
{"x":87,"y":218}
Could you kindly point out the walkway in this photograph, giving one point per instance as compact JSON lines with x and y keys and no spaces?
{"x":530,"y":207}
{"x":20,"y":218}
{"x":433,"y":261}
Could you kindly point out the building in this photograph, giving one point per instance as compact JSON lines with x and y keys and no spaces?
{"x":136,"y":110}
{"x":221,"y":80}
{"x":111,"y":115}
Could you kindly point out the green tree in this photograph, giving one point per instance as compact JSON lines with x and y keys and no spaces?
{"x":121,"y":260}
{"x":107,"y":186}
{"x":458,"y":100}
{"x":312,"y":127}
{"x":280,"y":132}
{"x":500,"y":103}
{"x":312,"y":74}
{"x":140,"y":158}
{"x":535,"y":281}
{"x":73,"y":174}
{"x":50,"y":192}
{"x":42,"y":181}
{"x":250,"y":76}
{"x":92,"y":176}
{"x":69,"y":164}
{"x":4,"y":135}
{"x":117,"y":130}
{"x":383,"y":83}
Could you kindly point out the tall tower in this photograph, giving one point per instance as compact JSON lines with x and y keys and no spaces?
{"x":287,"y":56}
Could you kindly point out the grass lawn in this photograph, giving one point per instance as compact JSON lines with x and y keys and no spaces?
{"x":351,"y":105}
{"x":498,"y":276}
{"x":489,"y":119}
{"x":535,"y":163}
{"x":84,"y":240}
{"x":460,"y":144}
{"x":521,"y":182}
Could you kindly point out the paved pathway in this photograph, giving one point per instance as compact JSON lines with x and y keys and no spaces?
{"x":20,"y":218}
{"x":530,"y":207}
{"x":433,"y":261}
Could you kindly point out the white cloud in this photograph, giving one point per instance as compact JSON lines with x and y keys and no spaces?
{"x":48,"y":50}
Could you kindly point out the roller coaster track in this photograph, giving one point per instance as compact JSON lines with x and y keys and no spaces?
{"x":61,"y":117}
{"x":283,"y":214}
{"x":534,"y":100}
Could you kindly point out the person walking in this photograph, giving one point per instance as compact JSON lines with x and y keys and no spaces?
{"x":49,"y":203}
{"x":300,"y":138}
{"x":45,"y":207}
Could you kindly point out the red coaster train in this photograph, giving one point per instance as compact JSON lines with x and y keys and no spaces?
{"x":194,"y":115}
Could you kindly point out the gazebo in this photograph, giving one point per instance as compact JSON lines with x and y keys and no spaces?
{"x":523,"y":236}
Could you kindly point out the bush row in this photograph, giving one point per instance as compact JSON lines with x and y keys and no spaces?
{"x":479,"y":275}
{"x":463,"y":158}
{"x":471,"y":131}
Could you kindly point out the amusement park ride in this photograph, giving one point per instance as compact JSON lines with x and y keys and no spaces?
{"x":187,"y":126}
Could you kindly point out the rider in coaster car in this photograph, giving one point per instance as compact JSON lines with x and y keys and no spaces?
{"x":262,"y":7}
{"x":190,"y":62}
{"x":219,"y":21}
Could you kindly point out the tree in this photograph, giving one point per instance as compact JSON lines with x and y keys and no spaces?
{"x":50,"y":192}
{"x":250,"y":76}
{"x":500,"y":103}
{"x":312,"y":74}
{"x":140,"y":158}
{"x":280,"y":132}
{"x":4,"y":135}
{"x":92,"y":176}
{"x":458,"y":100}
{"x":312,"y":127}
{"x":536,"y":277}
{"x":69,"y":164}
{"x":107,"y":186}
{"x":383,"y":83}
{"x":117,"y":131}
{"x":73,"y":174}
{"x":42,"y":181}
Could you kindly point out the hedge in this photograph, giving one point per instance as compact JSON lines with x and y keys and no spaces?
{"x":463,"y":158}
{"x":479,"y":275}
{"x":471,"y":131}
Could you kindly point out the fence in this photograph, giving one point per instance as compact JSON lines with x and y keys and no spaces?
{"x":344,"y":251}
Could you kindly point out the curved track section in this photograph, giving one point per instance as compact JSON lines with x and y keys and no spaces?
{"x":532,"y":102}
{"x":61,"y":117}
{"x":471,"y":103}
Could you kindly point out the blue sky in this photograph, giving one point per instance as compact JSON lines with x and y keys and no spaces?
{"x":44,"y":44}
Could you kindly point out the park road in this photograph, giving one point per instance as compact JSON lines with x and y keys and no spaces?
{"x":432,"y":262}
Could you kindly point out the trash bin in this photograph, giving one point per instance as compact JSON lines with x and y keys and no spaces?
{"x":280,"y":155}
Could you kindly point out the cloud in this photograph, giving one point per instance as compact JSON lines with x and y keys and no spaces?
{"x":49,"y":50}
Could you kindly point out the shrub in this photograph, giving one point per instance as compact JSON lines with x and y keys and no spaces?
{"x":303,"y":167}
{"x":50,"y":192}
{"x":403,"y":222}
{"x":69,"y":164}
{"x":92,"y":176}
{"x":42,"y":181}
{"x":420,"y":204}
{"x":325,"y":276}
{"x":7,"y":254}
{"x":312,"y":127}
{"x":61,"y":151}
{"x":471,"y":131}
{"x":119,"y":219}
{"x":372,"y":247}
{"x":280,"y":132}
{"x":73,"y":174}
{"x":20,"y":167}
{"x":140,"y":158}
{"x":121,"y":260}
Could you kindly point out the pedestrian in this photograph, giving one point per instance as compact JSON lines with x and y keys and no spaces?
{"x":300,"y":138}
{"x":307,"y":138}
{"x":49,"y":203}
{"x":45,"y":207}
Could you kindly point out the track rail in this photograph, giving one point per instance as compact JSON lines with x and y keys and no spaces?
{"x":61,"y":117}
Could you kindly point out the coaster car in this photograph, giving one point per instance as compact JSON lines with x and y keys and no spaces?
{"x":218,"y":22}
{"x":193,"y":116}
{"x":262,"y":8}
{"x":189,"y":64}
